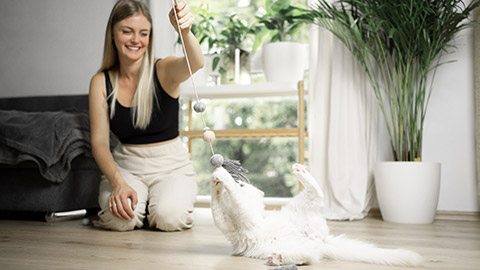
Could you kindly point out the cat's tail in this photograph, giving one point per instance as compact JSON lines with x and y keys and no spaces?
{"x":345,"y":249}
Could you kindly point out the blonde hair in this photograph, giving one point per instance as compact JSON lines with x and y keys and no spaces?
{"x":143,"y":100}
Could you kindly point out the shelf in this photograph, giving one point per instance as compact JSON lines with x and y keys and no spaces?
{"x":270,"y":89}
{"x":246,"y":133}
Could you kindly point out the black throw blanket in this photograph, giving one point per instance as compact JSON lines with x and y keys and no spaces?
{"x":50,"y":139}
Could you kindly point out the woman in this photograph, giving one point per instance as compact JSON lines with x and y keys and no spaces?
{"x":136,"y":97}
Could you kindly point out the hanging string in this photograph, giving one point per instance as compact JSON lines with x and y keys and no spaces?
{"x":232,"y":166}
{"x":202,"y":105}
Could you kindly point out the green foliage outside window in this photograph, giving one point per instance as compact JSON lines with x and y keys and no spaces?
{"x":268,"y":160}
{"x":225,"y":8}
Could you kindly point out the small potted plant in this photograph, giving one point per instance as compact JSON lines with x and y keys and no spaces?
{"x":204,"y":29}
{"x":233,"y":47}
{"x":283,"y":59}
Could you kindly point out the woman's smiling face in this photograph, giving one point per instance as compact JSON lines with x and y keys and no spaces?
{"x":131,"y":37}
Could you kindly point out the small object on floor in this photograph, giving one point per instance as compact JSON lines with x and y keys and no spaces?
{"x":286,"y":267}
{"x":85,"y":221}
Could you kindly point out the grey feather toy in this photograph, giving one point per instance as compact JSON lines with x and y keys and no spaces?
{"x":286,"y":267}
{"x":233,"y":167}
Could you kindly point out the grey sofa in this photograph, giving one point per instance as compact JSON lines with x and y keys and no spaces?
{"x":29,"y":182}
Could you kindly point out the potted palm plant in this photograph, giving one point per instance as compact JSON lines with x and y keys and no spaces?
{"x":283,"y":58}
{"x":399,"y":43}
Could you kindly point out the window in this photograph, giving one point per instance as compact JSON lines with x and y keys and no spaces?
{"x":268,"y":160}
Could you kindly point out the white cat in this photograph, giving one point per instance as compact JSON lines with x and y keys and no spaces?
{"x":297,"y":234}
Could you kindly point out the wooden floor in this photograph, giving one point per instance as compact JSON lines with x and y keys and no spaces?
{"x":446,"y":244}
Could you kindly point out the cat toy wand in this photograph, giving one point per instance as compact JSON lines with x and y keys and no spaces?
{"x":232,"y":166}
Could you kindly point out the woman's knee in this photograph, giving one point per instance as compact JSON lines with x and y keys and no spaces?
{"x":172,"y":218}
{"x":109,"y":221}
{"x":123,"y":225}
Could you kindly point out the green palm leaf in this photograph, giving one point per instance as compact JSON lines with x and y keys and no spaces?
{"x":399,"y":43}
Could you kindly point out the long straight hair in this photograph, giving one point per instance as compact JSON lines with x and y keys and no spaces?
{"x":143,"y":100}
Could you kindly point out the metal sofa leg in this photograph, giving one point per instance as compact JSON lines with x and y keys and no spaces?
{"x":66,"y":215}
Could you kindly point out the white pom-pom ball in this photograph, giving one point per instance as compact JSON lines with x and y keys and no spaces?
{"x":208,"y":136}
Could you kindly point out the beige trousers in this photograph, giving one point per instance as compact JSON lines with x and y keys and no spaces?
{"x":163,"y":178}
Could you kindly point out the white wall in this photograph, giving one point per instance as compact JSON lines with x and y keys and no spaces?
{"x":165,"y":35}
{"x":50,"y":47}
{"x":449,"y":128}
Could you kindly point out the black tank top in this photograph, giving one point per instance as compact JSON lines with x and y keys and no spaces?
{"x":163,"y":123}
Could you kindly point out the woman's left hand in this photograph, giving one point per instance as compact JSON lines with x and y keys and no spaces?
{"x":185,"y":17}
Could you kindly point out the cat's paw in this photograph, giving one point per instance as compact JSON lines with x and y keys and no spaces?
{"x":307,"y":180}
{"x":299,"y":168}
{"x":217,"y":181}
{"x":219,"y":175}
{"x":275,"y":259}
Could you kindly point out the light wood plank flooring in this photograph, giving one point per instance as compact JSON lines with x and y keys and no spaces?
{"x":446,"y":244}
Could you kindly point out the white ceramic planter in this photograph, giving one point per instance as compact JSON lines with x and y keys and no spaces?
{"x":284,"y":61}
{"x":407,"y":192}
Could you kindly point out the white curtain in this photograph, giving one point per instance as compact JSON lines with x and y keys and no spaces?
{"x":347,"y":134}
{"x":477,"y":94}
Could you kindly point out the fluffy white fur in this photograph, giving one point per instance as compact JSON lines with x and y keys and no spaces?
{"x":297,"y":234}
